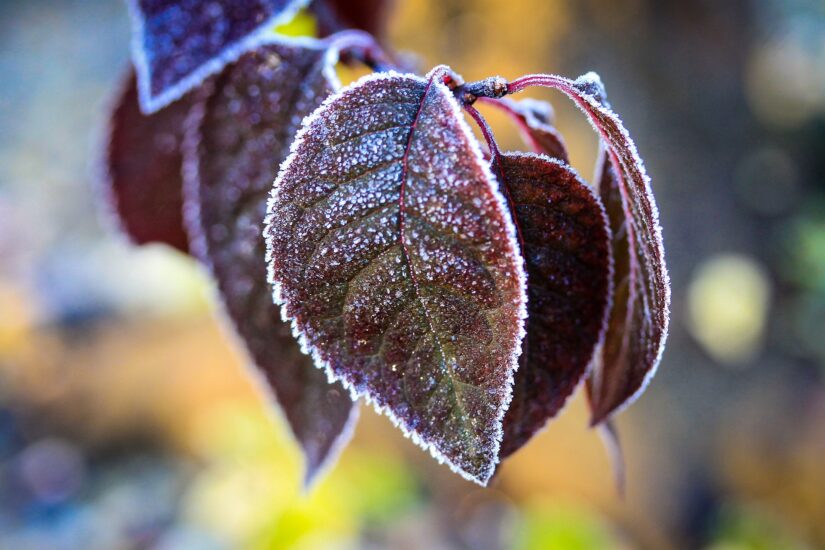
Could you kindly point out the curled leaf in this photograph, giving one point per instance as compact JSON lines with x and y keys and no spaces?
{"x":236,"y":139}
{"x":178,"y":43}
{"x":397,"y":262}
{"x":619,"y":370}
{"x":637,"y":329}
{"x":534,"y":119}
{"x":566,"y":250}
{"x":142,"y":169}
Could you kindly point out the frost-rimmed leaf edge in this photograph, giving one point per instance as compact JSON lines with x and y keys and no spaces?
{"x":199,"y":250}
{"x":605,"y":321}
{"x":511,"y":236}
{"x":150,"y":103}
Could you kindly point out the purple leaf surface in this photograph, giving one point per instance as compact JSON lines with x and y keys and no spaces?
{"x":566,"y":250}
{"x":638,"y":324}
{"x":397,"y":262}
{"x":178,"y":43}
{"x":236,"y":139}
{"x":142,"y":169}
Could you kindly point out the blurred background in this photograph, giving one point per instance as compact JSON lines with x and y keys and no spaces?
{"x":126,"y":419}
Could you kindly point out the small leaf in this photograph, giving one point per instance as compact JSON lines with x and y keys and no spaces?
{"x":535,"y":122}
{"x":367,"y":15}
{"x":236,"y":140}
{"x":638,"y":324}
{"x":178,"y":43}
{"x":398,"y":264}
{"x":566,"y":250}
{"x":142,"y":169}
{"x":620,"y":370}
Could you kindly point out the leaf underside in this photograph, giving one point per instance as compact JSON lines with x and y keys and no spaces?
{"x":236,"y":140}
{"x":535,"y":122}
{"x":566,"y":251}
{"x":142,"y":172}
{"x":178,"y":43}
{"x":625,"y":357}
{"x":398,"y":264}
{"x":638,"y":323}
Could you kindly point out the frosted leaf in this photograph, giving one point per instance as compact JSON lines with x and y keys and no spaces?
{"x":142,"y":169}
{"x":535,"y":123}
{"x":367,"y":15}
{"x":235,"y":142}
{"x":628,"y":355}
{"x":397,"y":262}
{"x":566,"y":251}
{"x":637,"y":329}
{"x":176,"y":44}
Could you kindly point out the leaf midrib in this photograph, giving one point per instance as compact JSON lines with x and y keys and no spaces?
{"x":416,"y":287}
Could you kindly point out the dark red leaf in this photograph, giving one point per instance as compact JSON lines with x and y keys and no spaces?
{"x":620,"y":370}
{"x":142,"y":169}
{"x":535,"y":122}
{"x":398,"y":264}
{"x":366,"y":15}
{"x":566,"y":250}
{"x":638,"y":323}
{"x":178,"y":43}
{"x":236,"y":140}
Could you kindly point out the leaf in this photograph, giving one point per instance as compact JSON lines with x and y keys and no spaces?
{"x":396,"y":260}
{"x":236,"y":140}
{"x":142,"y":169}
{"x":176,"y":44}
{"x":367,"y":15}
{"x":620,"y":370}
{"x":638,"y":324}
{"x":535,"y":122}
{"x":566,"y":250}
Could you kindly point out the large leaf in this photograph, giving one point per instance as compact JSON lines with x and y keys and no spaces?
{"x":566,"y":250}
{"x":638,"y":326}
{"x":142,"y":169}
{"x":236,"y":140}
{"x":178,"y":43}
{"x":396,"y":260}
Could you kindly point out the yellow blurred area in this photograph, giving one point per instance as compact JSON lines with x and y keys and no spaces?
{"x":728,"y":301}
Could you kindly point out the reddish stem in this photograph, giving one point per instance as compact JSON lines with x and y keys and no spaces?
{"x":495,"y":164}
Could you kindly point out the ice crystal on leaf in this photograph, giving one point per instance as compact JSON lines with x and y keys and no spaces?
{"x":142,"y":169}
{"x":236,"y":139}
{"x":397,"y":262}
{"x":178,"y":43}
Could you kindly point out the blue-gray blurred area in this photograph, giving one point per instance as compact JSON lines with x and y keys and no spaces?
{"x":126,"y":418}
